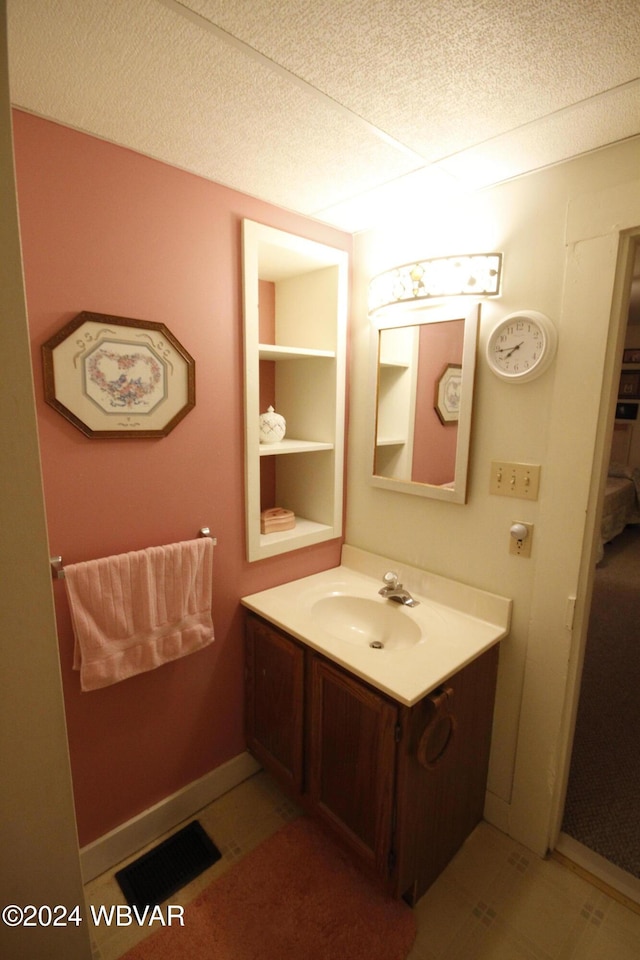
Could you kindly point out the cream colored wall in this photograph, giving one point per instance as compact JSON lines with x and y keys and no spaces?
{"x":39,"y":847}
{"x":559,"y":231}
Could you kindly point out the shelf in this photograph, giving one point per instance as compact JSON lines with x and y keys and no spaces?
{"x":294,"y":359}
{"x":270,"y":351}
{"x":303,"y":530}
{"x":292,"y":446}
{"x":390,"y":442}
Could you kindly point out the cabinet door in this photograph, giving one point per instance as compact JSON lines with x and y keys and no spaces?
{"x":442,"y":773}
{"x":274,"y":702}
{"x":352,"y":760}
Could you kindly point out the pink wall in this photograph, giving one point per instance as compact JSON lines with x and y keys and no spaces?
{"x":434,"y":448}
{"x":107,"y":230}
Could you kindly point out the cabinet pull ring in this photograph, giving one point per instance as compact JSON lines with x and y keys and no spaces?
{"x":438,"y":733}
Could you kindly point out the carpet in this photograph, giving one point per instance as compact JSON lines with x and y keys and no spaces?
{"x":601,"y":809}
{"x":295,"y":897}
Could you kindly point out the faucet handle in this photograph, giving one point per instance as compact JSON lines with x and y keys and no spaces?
{"x":391,"y":579}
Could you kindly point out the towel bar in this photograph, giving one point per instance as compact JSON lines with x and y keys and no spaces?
{"x":57,"y":566}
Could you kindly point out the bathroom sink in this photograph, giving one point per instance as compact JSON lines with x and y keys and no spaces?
{"x":403,"y":651}
{"x":366,"y":622}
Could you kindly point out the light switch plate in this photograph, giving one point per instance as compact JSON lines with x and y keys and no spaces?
{"x":520,"y":481}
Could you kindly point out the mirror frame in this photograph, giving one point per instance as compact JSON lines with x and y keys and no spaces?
{"x":405,"y":318}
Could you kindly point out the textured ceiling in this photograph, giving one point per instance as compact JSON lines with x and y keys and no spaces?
{"x":337,"y":109}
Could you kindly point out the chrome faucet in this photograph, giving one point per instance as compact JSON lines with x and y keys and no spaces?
{"x":393,"y":590}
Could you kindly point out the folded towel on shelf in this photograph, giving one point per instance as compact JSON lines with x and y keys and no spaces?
{"x":136,"y":611}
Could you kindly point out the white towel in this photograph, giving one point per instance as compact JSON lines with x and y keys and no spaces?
{"x":136,"y":611}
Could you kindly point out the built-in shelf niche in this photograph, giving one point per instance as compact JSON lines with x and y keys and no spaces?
{"x":296,"y":362}
{"x":397,"y":372}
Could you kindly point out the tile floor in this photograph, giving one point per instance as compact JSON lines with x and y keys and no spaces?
{"x":495,"y":900}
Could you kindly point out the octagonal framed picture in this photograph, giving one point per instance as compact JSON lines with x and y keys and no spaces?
{"x":118,"y":377}
{"x":447,"y":393}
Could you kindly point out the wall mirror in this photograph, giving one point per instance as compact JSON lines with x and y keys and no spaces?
{"x":424,"y":368}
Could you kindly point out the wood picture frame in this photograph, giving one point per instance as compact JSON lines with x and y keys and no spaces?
{"x":629,"y":388}
{"x":115,"y":377}
{"x":631,"y":355}
{"x":448,"y":392}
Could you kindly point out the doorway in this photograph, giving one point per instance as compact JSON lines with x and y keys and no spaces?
{"x":600,"y":830}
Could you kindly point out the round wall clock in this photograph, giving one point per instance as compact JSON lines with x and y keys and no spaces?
{"x":521,"y":346}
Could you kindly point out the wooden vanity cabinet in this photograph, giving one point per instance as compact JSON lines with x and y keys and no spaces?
{"x":401,"y":786}
{"x":274,"y":710}
{"x":442,"y":763}
{"x":351,"y":760}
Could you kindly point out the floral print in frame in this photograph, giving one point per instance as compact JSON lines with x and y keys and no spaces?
{"x":118,"y":377}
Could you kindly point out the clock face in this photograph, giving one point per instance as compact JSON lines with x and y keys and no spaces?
{"x":521,"y":346}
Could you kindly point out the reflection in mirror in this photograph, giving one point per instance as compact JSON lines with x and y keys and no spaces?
{"x":424,"y":376}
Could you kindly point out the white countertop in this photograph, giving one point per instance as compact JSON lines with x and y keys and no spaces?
{"x":457,"y":622}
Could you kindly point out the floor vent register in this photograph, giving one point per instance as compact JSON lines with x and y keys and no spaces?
{"x":174,"y":863}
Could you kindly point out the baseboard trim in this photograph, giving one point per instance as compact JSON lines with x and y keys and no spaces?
{"x":129,"y":837}
{"x":496,"y":812}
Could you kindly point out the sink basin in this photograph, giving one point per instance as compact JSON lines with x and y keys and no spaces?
{"x":366,"y":622}
{"x":339,"y":613}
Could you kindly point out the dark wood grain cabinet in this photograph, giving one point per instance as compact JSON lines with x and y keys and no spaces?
{"x":275,"y":702}
{"x":401,"y":786}
{"x":351,"y":759}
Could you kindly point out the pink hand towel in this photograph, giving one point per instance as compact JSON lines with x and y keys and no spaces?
{"x":136,"y":611}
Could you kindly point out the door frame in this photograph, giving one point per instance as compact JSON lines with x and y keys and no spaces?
{"x":600,"y":230}
{"x":629,"y":243}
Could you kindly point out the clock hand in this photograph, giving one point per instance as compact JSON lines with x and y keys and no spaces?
{"x":517,"y":347}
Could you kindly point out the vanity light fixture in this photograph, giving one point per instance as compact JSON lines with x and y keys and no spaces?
{"x":469,"y":274}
